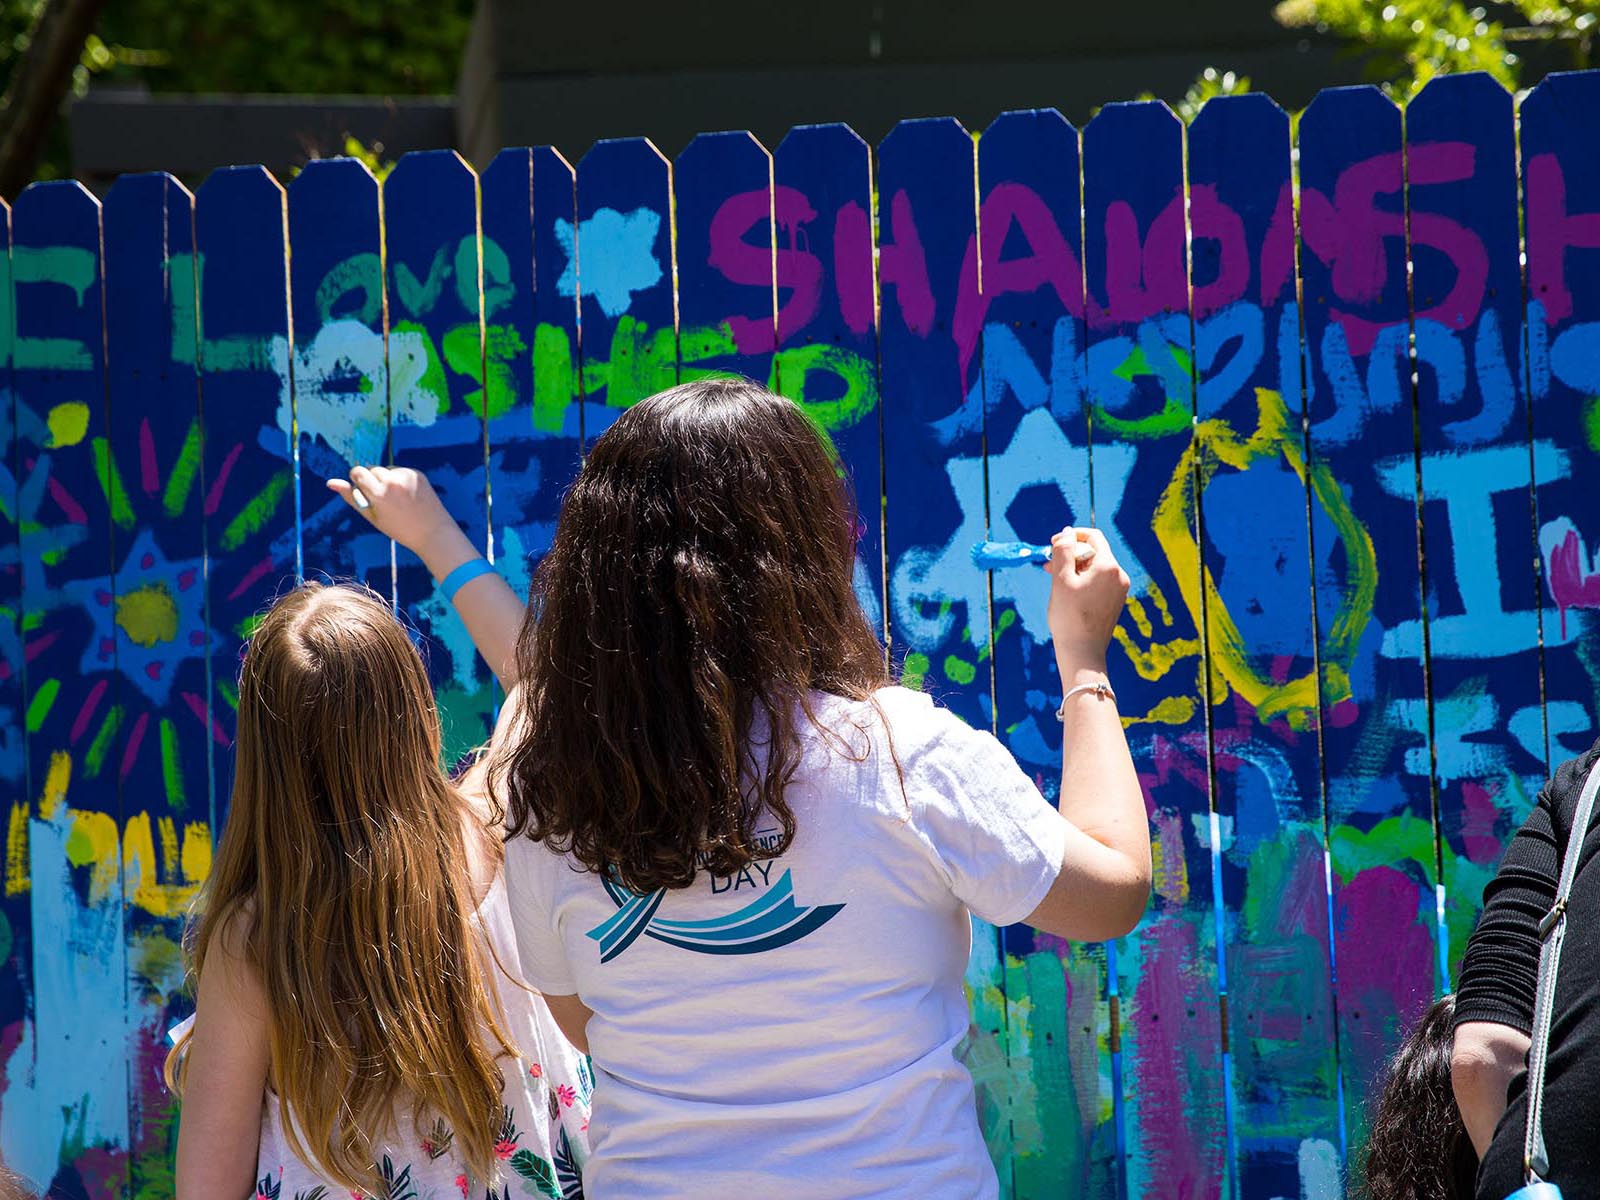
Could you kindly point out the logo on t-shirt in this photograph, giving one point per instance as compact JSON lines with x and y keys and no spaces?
{"x":771,"y":920}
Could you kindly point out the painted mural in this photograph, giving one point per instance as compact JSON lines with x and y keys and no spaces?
{"x":1364,"y":571}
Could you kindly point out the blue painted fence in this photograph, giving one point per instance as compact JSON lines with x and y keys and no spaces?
{"x":1363,"y":571}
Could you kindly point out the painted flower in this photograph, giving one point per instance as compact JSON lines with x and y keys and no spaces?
{"x":461,"y":1185}
{"x":568,"y":1096}
{"x":536,"y":1071}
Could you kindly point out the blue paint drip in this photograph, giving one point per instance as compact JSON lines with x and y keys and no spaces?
{"x":995,"y":556}
{"x":1219,"y":916}
{"x":1119,"y":1116}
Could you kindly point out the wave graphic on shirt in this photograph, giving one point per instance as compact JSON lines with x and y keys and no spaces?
{"x":766,"y":923}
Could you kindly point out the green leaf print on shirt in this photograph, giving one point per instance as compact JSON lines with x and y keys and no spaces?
{"x":539,"y":1177}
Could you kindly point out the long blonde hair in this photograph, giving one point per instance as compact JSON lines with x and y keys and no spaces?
{"x":344,"y":864}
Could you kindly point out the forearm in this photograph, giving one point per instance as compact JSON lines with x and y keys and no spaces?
{"x":1485,"y":1059}
{"x":1100,"y":791}
{"x":490,"y":610}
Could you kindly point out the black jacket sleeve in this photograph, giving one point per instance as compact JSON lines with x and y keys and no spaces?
{"x":1500,"y":969}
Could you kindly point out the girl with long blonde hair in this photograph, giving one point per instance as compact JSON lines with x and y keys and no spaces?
{"x":361,"y":1025}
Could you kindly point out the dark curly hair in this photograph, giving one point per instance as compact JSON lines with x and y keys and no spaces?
{"x":1418,"y":1148}
{"x":698,"y":591}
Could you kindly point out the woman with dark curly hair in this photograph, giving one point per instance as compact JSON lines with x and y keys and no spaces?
{"x":743,"y":863}
{"x":1418,"y":1148}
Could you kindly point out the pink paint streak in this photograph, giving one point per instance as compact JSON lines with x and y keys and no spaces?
{"x":1214,"y":221}
{"x":135,"y":738}
{"x":1573,"y":584}
{"x":852,"y":266}
{"x":1552,"y":230}
{"x":1479,"y":814}
{"x":745,"y":263}
{"x":250,"y":577}
{"x":39,"y":645}
{"x":1050,"y":262}
{"x":1177,"y":1069}
{"x":70,"y":508}
{"x":214,"y":496}
{"x":148,"y":472}
{"x":198,"y":707}
{"x":1385,"y":957}
{"x":91,"y":702}
{"x":903,"y":265}
{"x":799,"y":272}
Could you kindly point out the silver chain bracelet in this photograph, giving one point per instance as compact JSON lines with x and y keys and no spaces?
{"x":1100,"y":688}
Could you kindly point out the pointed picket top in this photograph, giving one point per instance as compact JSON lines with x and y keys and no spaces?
{"x":723,"y":206}
{"x":1336,"y":115}
{"x":620,"y":262}
{"x":240,"y":180}
{"x":828,"y":130}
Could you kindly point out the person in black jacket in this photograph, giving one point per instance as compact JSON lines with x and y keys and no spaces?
{"x":1494,"y":1004}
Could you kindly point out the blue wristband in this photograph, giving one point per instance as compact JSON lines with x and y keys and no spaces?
{"x":463,"y":575}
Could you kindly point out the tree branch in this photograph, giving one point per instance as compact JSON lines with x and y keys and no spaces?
{"x":39,"y":84}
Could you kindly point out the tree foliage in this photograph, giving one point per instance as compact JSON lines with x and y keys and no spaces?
{"x":383,"y":47}
{"x":1405,"y":43}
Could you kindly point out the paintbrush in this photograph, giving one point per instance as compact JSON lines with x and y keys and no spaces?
{"x":995,"y":556}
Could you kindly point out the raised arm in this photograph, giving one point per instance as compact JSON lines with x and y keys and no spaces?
{"x":1500,"y":970}
{"x":1104,"y":882}
{"x":224,"y":1078}
{"x":402,"y":503}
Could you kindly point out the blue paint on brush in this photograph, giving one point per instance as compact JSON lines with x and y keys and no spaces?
{"x":994,"y":556}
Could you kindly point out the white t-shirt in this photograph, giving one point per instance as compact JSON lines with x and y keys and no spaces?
{"x":791,"y":1031}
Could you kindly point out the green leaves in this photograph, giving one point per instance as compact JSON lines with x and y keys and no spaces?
{"x":538,"y":1175}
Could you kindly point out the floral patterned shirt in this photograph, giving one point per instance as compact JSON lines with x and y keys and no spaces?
{"x":542,"y":1139}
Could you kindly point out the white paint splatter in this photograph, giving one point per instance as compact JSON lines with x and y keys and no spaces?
{"x":340,"y":379}
{"x":1319,"y":1170}
{"x":65,"y":1079}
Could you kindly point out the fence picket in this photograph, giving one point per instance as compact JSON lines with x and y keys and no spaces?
{"x":1141,"y":420}
{"x":1023,"y":297}
{"x":340,"y":370}
{"x":1472,"y":414}
{"x":14,"y":794}
{"x":1561,"y":198}
{"x":251,"y":508}
{"x":722,"y":193}
{"x":1374,"y":716}
{"x":827,"y":357}
{"x":68,"y":1078}
{"x":629,"y":311}
{"x":934,"y":502}
{"x":535,"y":408}
{"x":437,"y":408}
{"x":1256,"y":585}
{"x":158,"y":623}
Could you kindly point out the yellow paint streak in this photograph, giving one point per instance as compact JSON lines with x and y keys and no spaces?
{"x":1141,"y":619}
{"x":196,"y":860}
{"x":1169,"y":869}
{"x":1219,"y":446}
{"x":56,"y":780}
{"x":1160,"y":657}
{"x":142,"y":873}
{"x":68,"y":423}
{"x":17,"y":880}
{"x":148,"y":615}
{"x":1170,"y":710}
{"x":1159,"y":599}
{"x":92,"y":843}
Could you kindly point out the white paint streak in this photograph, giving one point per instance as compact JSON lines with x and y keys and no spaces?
{"x":68,"y":1077}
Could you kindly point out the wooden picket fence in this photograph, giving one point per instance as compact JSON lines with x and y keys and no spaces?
{"x":1331,"y":422}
